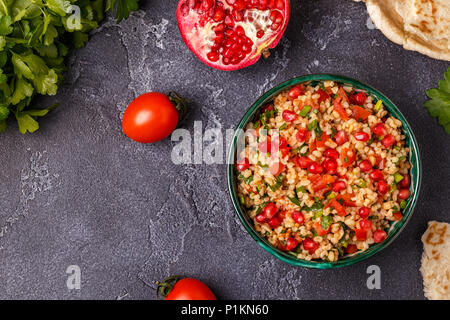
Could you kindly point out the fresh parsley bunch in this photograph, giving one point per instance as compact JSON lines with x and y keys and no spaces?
{"x":35,"y":37}
{"x":439,"y":105}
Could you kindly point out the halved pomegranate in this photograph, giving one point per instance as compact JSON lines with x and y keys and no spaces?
{"x":232,"y":34}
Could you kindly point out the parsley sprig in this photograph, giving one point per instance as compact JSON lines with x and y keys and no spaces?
{"x":439,"y":105}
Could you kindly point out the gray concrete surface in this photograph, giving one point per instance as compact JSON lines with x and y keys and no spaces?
{"x":78,"y":192}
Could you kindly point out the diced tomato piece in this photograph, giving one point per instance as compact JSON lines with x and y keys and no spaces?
{"x":347,"y":198}
{"x":312,"y":146}
{"x":324,"y":96}
{"x":351,"y":249}
{"x":398,"y":216}
{"x":265,"y":146}
{"x":320,"y":182}
{"x":342,"y":94}
{"x":347,"y":157}
{"x":276,"y":168}
{"x":361,"y":235}
{"x":340,"y":110}
{"x":360,"y":113}
{"x":337,"y":206}
{"x":242,"y":164}
{"x":359,"y":98}
{"x":302,"y":135}
{"x":285,"y":151}
{"x":323,"y":139}
{"x":320,"y":231}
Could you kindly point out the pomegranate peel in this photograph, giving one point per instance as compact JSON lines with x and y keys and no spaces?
{"x":232,"y":34}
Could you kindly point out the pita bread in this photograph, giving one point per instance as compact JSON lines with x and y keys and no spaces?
{"x":419,"y":25}
{"x":436,"y":261}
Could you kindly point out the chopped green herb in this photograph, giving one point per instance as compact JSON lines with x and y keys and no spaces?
{"x":393,"y":187}
{"x":346,"y":159}
{"x":331,"y":195}
{"x":261,"y":207}
{"x":373,"y":217}
{"x":398,"y":177}
{"x":378,"y":106}
{"x":400,"y":159}
{"x":283,"y":126}
{"x":326,"y":222}
{"x":304,"y":112}
{"x":248,"y":180}
{"x":262,"y":165}
{"x":312,"y":125}
{"x":403,"y":204}
{"x":295,"y":201}
{"x":242,"y":199}
{"x":439,"y":105}
{"x":362,"y":184}
{"x":333,"y":132}
{"x":301,"y":189}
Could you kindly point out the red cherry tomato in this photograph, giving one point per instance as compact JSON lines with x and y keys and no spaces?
{"x":190,"y":289}
{"x":404,"y":194}
{"x":380,"y":130}
{"x":365,"y":166}
{"x":242,"y":165}
{"x":382,"y":187}
{"x":270,"y":210}
{"x":339,"y":186}
{"x":364,"y":212}
{"x":330,"y":166}
{"x":379,"y":236}
{"x":289,"y":116}
{"x":302,"y":135}
{"x":362,"y":136}
{"x":340,"y":137}
{"x":291,"y":244}
{"x":331,"y":153}
{"x":298,"y":217}
{"x":151,"y":117}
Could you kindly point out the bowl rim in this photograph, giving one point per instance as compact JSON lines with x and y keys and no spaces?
{"x":415,"y":171}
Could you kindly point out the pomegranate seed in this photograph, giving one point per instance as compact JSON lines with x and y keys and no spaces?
{"x":351,"y":249}
{"x":364,"y":212}
{"x":260,"y":34}
{"x":331,"y":153}
{"x":365,"y":224}
{"x":302,"y":135}
{"x":219,"y":14}
{"x":376,"y":175}
{"x":242,"y":165}
{"x":295,"y":92}
{"x":303,"y":162}
{"x":265,"y":146}
{"x":275,"y":222}
{"x":362,"y":136}
{"x":380,"y":130}
{"x":291,"y":244}
{"x":260,"y":218}
{"x":406,"y":182}
{"x":365,"y":166}
{"x":279,"y":142}
{"x":339,"y":186}
{"x":270,"y":210}
{"x":388,"y":141}
{"x":341,"y":137}
{"x":298,"y":217}
{"x":330,"y":166}
{"x":310,"y":245}
{"x":315,"y":168}
{"x":213,"y":56}
{"x":289,"y":116}
{"x":379,"y":236}
{"x":240,"y":5}
{"x":404,"y":194}
{"x":383,"y":187}
{"x":360,"y":98}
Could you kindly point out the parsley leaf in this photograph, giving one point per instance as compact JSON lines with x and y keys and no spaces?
{"x":439,"y":105}
{"x":123,"y":8}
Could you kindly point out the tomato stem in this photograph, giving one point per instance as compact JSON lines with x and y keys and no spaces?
{"x":180,"y":103}
{"x":166,"y":286}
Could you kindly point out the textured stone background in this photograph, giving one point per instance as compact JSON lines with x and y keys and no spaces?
{"x":79,"y":192}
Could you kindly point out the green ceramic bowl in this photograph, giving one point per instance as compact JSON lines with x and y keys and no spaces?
{"x":395,"y":227}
